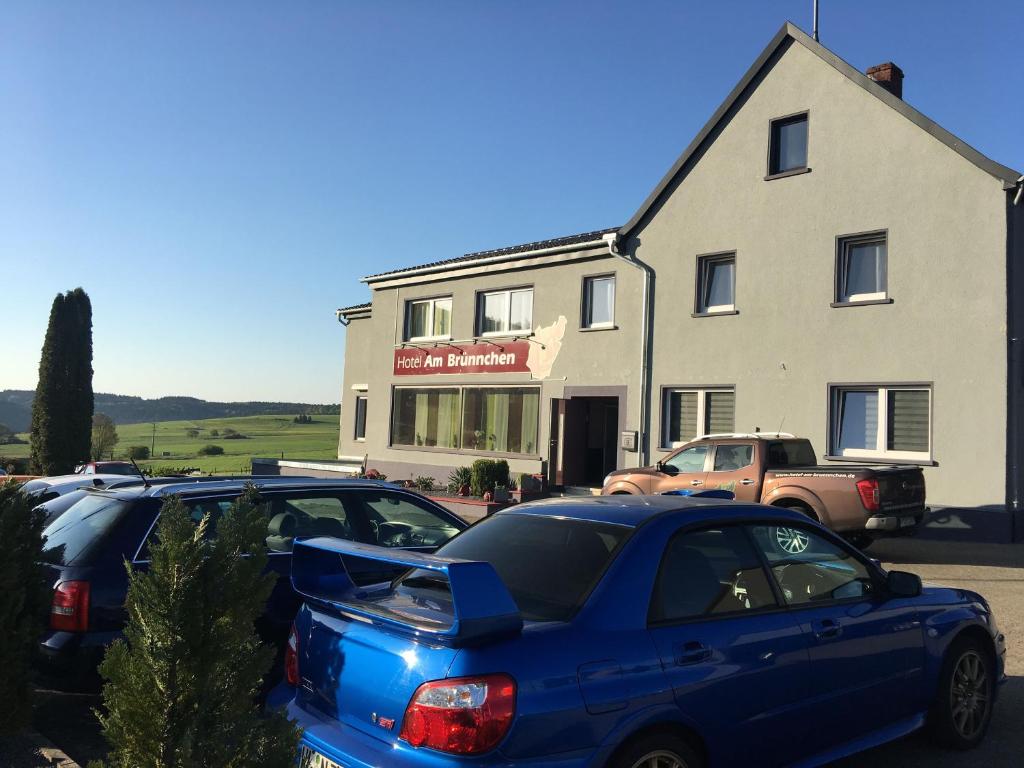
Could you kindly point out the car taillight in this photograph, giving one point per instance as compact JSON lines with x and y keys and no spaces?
{"x":868,"y":494}
{"x":69,"y":611}
{"x":291,"y":658}
{"x":461,"y":715}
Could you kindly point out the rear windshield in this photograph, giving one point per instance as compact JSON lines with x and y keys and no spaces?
{"x":548,"y":564}
{"x":791,"y":453}
{"x":76,"y":535}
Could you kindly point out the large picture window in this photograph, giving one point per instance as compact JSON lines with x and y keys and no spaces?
{"x":428,"y":319}
{"x":505,"y":312}
{"x":487,"y":419}
{"x":881,"y":422}
{"x":689,"y":413}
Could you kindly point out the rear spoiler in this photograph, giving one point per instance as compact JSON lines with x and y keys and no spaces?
{"x":482,"y":607}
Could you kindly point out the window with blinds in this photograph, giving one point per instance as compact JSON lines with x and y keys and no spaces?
{"x":689,"y":413}
{"x":886,"y":421}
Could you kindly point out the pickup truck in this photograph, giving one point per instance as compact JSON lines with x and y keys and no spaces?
{"x":859,"y":502}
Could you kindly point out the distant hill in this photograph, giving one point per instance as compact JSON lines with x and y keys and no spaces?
{"x":16,"y":408}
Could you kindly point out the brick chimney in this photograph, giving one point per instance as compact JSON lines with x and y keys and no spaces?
{"x":889,"y":76}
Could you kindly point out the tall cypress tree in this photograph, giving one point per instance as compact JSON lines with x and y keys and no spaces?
{"x":63,"y":405}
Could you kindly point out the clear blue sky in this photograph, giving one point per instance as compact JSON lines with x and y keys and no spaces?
{"x":219,"y":175}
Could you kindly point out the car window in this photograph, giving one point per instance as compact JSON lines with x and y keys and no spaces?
{"x":791,"y":453}
{"x":688,"y":460}
{"x":732,"y":457}
{"x":77,"y":534}
{"x":809,"y":568}
{"x":709,"y":572}
{"x":197,"y":509}
{"x":548,"y":564}
{"x":403,"y":520}
{"x":305,"y":516}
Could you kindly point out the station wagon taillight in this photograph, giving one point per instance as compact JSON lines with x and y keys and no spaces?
{"x":69,"y":611}
{"x":291,"y":658}
{"x":461,"y":715}
{"x":869,"y":496}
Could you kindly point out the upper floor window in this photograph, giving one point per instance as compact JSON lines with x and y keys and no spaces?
{"x":881,"y":422}
{"x":505,"y":312}
{"x":428,"y":319}
{"x":716,"y":284}
{"x":599,"y":301}
{"x":787,"y":149}
{"x":862,"y":268}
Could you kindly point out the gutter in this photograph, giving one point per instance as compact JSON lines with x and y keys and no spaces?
{"x":611,"y":240}
{"x":446,"y":267}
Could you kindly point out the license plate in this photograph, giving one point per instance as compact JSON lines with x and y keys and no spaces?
{"x":906,"y":522}
{"x":313,"y":759}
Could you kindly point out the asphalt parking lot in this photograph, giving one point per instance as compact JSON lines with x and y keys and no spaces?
{"x":996,"y":571}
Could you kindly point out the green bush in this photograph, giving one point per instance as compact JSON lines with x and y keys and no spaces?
{"x":211,"y":450}
{"x":138,"y":452}
{"x":424,"y":483}
{"x":459,"y":477}
{"x":182,"y":686}
{"x":488,"y":473}
{"x":23,"y":602}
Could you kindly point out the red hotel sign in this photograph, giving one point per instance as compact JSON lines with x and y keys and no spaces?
{"x":499,"y":357}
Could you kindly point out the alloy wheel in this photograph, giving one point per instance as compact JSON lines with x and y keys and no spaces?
{"x":791,"y":540}
{"x":969,"y":695}
{"x":660,"y":758}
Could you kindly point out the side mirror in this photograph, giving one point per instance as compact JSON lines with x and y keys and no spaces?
{"x":660,"y":466}
{"x":903,"y":584}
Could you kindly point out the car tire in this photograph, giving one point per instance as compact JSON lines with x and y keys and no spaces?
{"x":962,"y":710}
{"x":657,"y":750}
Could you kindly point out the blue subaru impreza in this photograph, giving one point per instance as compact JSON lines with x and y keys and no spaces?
{"x":631,"y":631}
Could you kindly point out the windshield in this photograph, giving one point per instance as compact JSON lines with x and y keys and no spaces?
{"x":548,"y":564}
{"x":74,"y":536}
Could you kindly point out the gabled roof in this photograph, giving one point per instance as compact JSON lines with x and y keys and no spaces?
{"x":511,"y":250}
{"x":790,"y":33}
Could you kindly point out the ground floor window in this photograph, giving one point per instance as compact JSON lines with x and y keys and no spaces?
{"x":491,"y":419}
{"x":881,"y":421}
{"x":688,"y":413}
{"x":360,"y":425}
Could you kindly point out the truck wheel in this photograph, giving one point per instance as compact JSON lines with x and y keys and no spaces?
{"x":960,"y":714}
{"x":792,"y":541}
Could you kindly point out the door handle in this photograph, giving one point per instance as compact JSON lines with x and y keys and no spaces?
{"x":746,"y":481}
{"x":696,"y":482}
{"x":826,"y":629}
{"x":692,"y":652}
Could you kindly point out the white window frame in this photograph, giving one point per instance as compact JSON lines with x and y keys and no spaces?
{"x":588,"y":301}
{"x":666,"y":399}
{"x":432,"y":302}
{"x":507,"y":292}
{"x":881,"y":450}
{"x":846,"y":243}
{"x":704,"y":263}
{"x":355,"y":424}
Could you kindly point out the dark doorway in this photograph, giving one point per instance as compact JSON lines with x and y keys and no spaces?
{"x":589,"y":439}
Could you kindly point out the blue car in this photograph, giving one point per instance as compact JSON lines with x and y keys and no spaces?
{"x":630,"y":632}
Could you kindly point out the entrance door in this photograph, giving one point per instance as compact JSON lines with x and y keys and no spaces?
{"x":588,"y":441}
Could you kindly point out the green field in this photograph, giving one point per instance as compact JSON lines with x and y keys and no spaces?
{"x":267,"y":437}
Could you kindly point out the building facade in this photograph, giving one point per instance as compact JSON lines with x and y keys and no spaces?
{"x":822,"y":260}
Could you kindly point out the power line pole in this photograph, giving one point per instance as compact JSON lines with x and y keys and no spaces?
{"x":152,"y":445}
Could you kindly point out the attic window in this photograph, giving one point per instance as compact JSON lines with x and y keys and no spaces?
{"x":787,"y":146}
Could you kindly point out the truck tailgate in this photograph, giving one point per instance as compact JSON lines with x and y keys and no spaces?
{"x":900,"y":489}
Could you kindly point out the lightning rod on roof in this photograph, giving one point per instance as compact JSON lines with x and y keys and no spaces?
{"x":815,"y":20}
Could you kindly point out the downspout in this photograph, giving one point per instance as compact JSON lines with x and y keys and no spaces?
{"x":612,"y":239}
